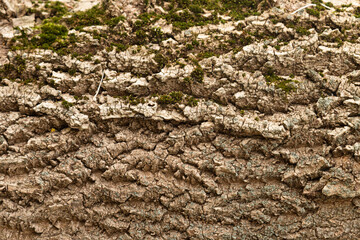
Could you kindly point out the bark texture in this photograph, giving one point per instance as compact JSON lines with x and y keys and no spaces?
{"x":265,"y":146}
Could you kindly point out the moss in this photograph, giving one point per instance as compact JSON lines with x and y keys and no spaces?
{"x":20,"y":62}
{"x":165,"y":99}
{"x":52,"y":83}
{"x":22,"y":40}
{"x":313,"y":12}
{"x":195,"y":43}
{"x":56,"y":8}
{"x":206,"y":54}
{"x":51,"y":33}
{"x":74,"y":55}
{"x":189,"y":47}
{"x":94,"y":16}
{"x":144,"y":33}
{"x":171,"y":98}
{"x":112,"y":22}
{"x":197,"y":74}
{"x":339,"y":42}
{"x":99,"y":36}
{"x":145,"y":19}
{"x":14,"y":70}
{"x":182,"y":65}
{"x":357,"y":12}
{"x":72,"y":38}
{"x":72,"y":71}
{"x":161,"y":60}
{"x":195,"y":8}
{"x":343,"y":5}
{"x":302,"y":31}
{"x":66,"y":104}
{"x":177,"y":96}
{"x":53,"y":29}
{"x":191,"y":101}
{"x":156,"y":35}
{"x":141,"y":37}
{"x":185,"y":19}
{"x":187,"y":80}
{"x":279,"y":83}
{"x":85,"y":57}
{"x":285,"y":85}
{"x":35,"y":11}
{"x":133,"y":100}
{"x":317,"y":9}
{"x":237,"y":42}
{"x":316,"y":1}
{"x":54,"y":33}
{"x":120,"y":47}
{"x":239,"y":9}
{"x":329,"y":4}
{"x":274,"y":20}
{"x":339,"y":39}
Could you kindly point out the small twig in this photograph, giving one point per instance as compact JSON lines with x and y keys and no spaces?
{"x":102,"y":78}
{"x":325,"y":6}
{"x":309,"y":5}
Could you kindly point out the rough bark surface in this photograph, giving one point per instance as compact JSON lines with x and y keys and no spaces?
{"x":265,"y":146}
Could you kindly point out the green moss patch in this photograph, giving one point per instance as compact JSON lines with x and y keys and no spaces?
{"x":53,"y":33}
{"x":52,"y":36}
{"x":50,"y":33}
{"x":315,"y":11}
{"x":185,"y":19}
{"x":188,"y":13}
{"x":177,"y":97}
{"x":197,"y":74}
{"x":15,"y":70}
{"x":302,"y":31}
{"x":279,"y":83}
{"x":90,"y":17}
{"x":171,"y":98}
{"x":56,"y":8}
{"x":206,"y":54}
{"x":66,"y":104}
{"x":357,"y":12}
{"x":161,"y":60}
{"x":133,"y":100}
{"x":191,"y":101}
